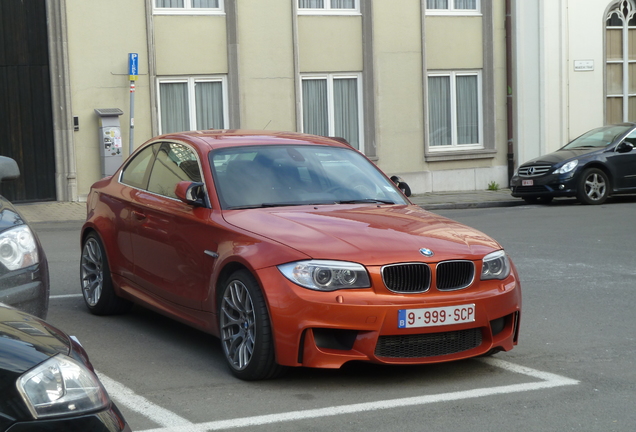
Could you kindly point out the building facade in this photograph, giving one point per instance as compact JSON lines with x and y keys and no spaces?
{"x":575,"y":69}
{"x":419,"y":86}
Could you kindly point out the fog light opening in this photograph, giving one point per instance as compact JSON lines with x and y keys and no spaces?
{"x":561,"y":187}
{"x":497,"y":326}
{"x":335,"y":338}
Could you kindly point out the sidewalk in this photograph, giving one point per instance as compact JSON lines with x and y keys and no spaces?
{"x":76,"y":211}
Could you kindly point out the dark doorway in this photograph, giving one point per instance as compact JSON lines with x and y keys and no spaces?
{"x":26,"y":119}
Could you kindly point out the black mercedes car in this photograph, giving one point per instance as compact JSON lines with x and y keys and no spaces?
{"x":47,"y":382}
{"x":599,"y":163}
{"x":24,"y":272}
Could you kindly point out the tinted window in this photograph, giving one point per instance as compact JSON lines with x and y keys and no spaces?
{"x":600,"y":137}
{"x":135,"y":173}
{"x":298,"y":175}
{"x":174,"y":163}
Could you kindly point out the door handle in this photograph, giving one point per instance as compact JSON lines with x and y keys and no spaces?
{"x":138,"y":215}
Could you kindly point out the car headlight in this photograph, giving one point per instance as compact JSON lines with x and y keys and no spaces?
{"x":495,"y":265}
{"x":326,"y":275}
{"x":61,"y":386}
{"x":566,"y":168}
{"x":18,"y":248}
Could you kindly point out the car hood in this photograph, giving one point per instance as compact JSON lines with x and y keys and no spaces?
{"x":562,"y":155}
{"x":371,"y":235}
{"x":26,"y":341}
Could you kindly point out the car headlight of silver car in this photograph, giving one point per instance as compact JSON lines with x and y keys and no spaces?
{"x":566,"y":168}
{"x":323,"y":275}
{"x":495,"y":265}
{"x":18,"y":248}
{"x":61,"y":386}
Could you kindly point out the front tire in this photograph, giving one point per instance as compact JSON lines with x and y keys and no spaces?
{"x":593,"y":187}
{"x":245,"y":329}
{"x":97,"y":285}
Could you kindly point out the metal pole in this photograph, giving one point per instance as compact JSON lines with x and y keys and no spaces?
{"x":509,"y":92}
{"x":132,"y":116}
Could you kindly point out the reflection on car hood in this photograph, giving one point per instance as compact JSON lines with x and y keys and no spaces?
{"x":371,"y":235}
{"x":26,"y":341}
{"x":9,"y":217}
{"x":562,"y":155}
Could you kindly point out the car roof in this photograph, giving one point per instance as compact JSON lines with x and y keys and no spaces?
{"x":217,"y":138}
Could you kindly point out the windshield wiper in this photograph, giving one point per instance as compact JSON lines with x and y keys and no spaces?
{"x":281,"y":204}
{"x":364,"y":201}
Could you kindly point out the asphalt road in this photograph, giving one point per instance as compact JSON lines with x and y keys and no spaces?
{"x":574,"y":368}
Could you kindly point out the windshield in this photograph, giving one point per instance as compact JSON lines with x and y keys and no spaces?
{"x":600,"y":137}
{"x":271,"y":176}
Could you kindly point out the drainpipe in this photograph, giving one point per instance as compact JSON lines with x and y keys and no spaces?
{"x":509,"y":99}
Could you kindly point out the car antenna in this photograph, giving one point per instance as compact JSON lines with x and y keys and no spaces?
{"x":267,"y":125}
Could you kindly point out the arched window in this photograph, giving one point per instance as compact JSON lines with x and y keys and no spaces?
{"x":620,"y":62}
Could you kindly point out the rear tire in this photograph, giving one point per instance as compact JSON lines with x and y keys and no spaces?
{"x":245,"y":329}
{"x":96,"y":282}
{"x":594,"y":187}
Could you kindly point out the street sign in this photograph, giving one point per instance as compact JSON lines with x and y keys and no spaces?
{"x":133,"y":66}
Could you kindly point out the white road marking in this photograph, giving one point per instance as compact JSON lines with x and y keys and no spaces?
{"x":63,"y":296}
{"x":126,"y":397}
{"x":171,"y":422}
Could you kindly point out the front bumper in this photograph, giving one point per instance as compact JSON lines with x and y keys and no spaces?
{"x":553,"y":185}
{"x":109,"y":420}
{"x":329,"y":329}
{"x":27,"y":289}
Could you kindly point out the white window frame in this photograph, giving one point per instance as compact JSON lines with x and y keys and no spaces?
{"x":191,"y":81}
{"x":453,"y":103}
{"x":452,"y":11}
{"x":328,"y":10}
{"x":330,"y":77}
{"x":187,"y":9}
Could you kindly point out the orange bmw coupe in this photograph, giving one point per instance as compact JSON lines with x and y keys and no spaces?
{"x":295,"y":250}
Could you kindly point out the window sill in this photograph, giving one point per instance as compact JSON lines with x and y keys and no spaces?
{"x":319,"y":12}
{"x":454,"y":13}
{"x":452,"y":155}
{"x":189,"y":12}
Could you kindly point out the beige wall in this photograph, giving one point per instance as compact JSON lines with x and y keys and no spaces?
{"x":266,"y":65}
{"x":454,"y":42}
{"x":330,"y":43}
{"x":99,"y":40}
{"x":190,"y":45}
{"x":398,"y":73}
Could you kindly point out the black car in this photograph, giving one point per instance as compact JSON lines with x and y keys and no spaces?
{"x":24,"y":272}
{"x":599,"y":163}
{"x":47,"y":382}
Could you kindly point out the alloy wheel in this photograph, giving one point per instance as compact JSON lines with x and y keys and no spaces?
{"x":92,"y":272}
{"x":238,"y":325}
{"x":595,"y":187}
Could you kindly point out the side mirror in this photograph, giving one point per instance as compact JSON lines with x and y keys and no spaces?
{"x":191,"y":193}
{"x":8,"y":169}
{"x":402,"y":185}
{"x":624,"y":147}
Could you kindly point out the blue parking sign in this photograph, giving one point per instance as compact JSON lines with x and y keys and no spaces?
{"x":133,"y":66}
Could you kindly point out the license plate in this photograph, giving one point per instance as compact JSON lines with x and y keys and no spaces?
{"x":430,"y":317}
{"x":527,"y":182}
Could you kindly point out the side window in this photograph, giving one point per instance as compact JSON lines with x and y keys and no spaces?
{"x":175,"y":163}
{"x":631,"y":138}
{"x":135,"y":174}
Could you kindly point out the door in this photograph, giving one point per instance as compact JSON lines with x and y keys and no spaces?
{"x":624,"y":166}
{"x":26,"y":118}
{"x":169,"y":237}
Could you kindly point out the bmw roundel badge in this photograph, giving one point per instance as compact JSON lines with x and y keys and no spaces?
{"x":426,"y":252}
